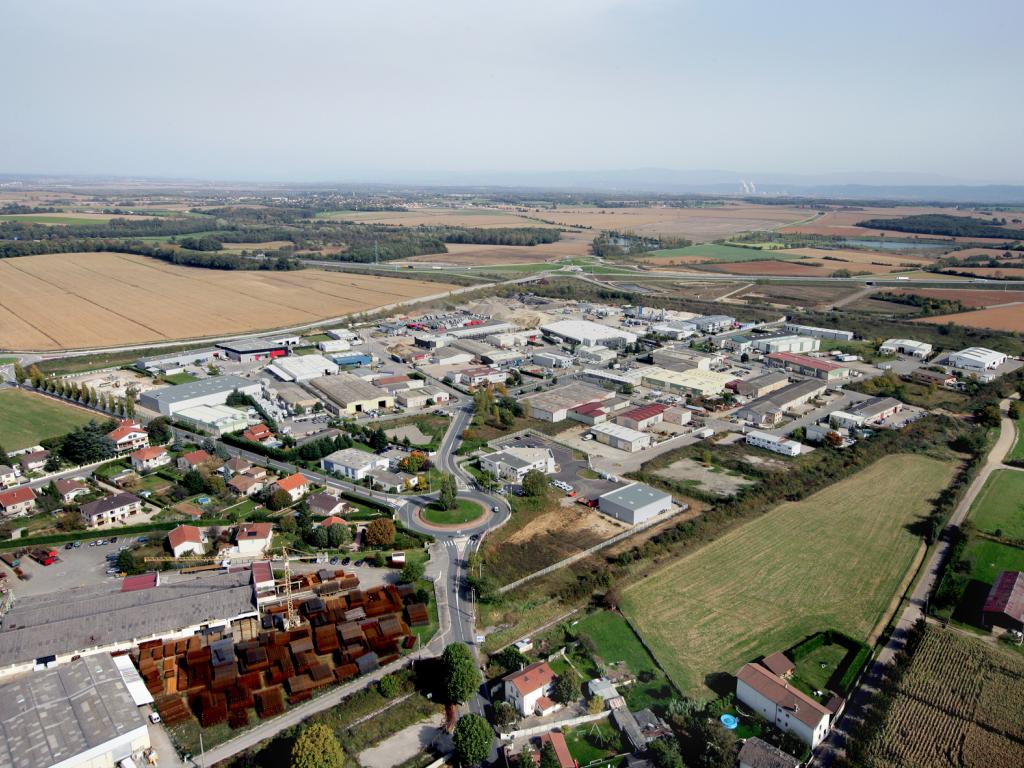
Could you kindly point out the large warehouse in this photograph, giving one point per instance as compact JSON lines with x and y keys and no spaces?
{"x":350,"y":395}
{"x":694,"y":382}
{"x":303,"y":367}
{"x":253,"y":350}
{"x":634,"y":503}
{"x":210,"y":391}
{"x":623,"y":438}
{"x":79,"y":714}
{"x":555,"y":404}
{"x":585,"y":333}
{"x":976,"y":359}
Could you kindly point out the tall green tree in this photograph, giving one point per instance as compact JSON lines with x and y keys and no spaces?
{"x":535,"y":483}
{"x":548,"y":757}
{"x":317,"y":747}
{"x":449,"y":491}
{"x":472,"y":739}
{"x":19,"y":373}
{"x":462,"y":677}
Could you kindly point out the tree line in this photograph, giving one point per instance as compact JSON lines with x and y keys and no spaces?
{"x":945,"y":225}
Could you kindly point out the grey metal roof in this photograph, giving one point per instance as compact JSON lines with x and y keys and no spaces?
{"x":209,"y":386}
{"x":89,"y":617}
{"x":873,"y":406}
{"x":758,"y":753}
{"x":635,"y":495}
{"x":344,"y":388}
{"x":51,"y":716}
{"x":251,"y":345}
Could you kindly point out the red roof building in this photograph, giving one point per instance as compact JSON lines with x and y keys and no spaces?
{"x":142,"y":581}
{"x":642,"y":418}
{"x":557,"y":741}
{"x":128,"y":436}
{"x":524,"y":689}
{"x":258,"y":433}
{"x":150,"y":458}
{"x":17,"y":500}
{"x":294,"y":485}
{"x":807,"y":365}
{"x":186,"y":540}
{"x":193,"y":460}
{"x":1004,"y":606}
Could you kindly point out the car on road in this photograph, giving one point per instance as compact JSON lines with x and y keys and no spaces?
{"x":359,"y":562}
{"x":113,"y":540}
{"x":495,"y":508}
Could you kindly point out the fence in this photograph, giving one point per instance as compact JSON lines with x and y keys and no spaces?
{"x":538,"y":729}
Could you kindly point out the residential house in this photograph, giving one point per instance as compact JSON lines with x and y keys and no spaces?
{"x":782,"y":704}
{"x":1004,"y":606}
{"x":246,"y":485}
{"x":326,"y":504}
{"x":70,"y":489}
{"x":557,"y":741}
{"x":236,"y":465}
{"x":392,"y":482}
{"x":296,"y":486}
{"x":513,"y":463}
{"x":148,"y":459}
{"x":34,"y":461}
{"x":112,"y":509}
{"x":17,"y":501}
{"x":128,"y":436}
{"x":639,"y":728}
{"x":187,"y":540}
{"x":194,"y":460}
{"x":254,"y":539}
{"x":327,"y":522}
{"x":259,"y":433}
{"x":8,"y":477}
{"x":529,"y":689}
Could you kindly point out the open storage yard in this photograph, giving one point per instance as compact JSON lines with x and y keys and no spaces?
{"x":959,"y":705}
{"x":832,"y":561}
{"x":82,"y":300}
{"x":26,"y":418}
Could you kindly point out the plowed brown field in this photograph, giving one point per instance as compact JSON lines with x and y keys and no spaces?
{"x":969,"y":298}
{"x":86,"y":300}
{"x":1009,"y":318}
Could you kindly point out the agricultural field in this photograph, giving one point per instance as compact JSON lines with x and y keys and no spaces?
{"x":439,"y":217}
{"x":817,"y":296}
{"x":958,"y":706}
{"x":994,"y":273}
{"x":1000,"y":505}
{"x":866,"y":261}
{"x":27,"y":418}
{"x":570,"y":245}
{"x":988,"y":558}
{"x":76,"y":300}
{"x":832,"y":561}
{"x":65,"y":218}
{"x":967,"y":296}
{"x":843,"y":223}
{"x":1005,"y":318}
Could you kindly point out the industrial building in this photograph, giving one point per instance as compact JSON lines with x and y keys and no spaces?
{"x":806,"y":365}
{"x":173,"y":363}
{"x":598,"y":354}
{"x":348,"y":394}
{"x":614,"y":377}
{"x":769,"y":410}
{"x":54,"y":627}
{"x":353,"y":359}
{"x":774,"y":443}
{"x":585,"y":333}
{"x":302,"y":367}
{"x":334,"y":345}
{"x":870,"y":411}
{"x":553,"y":359}
{"x":713,"y":323}
{"x":210,"y":391}
{"x":79,"y":714}
{"x":785,"y":343}
{"x":675,"y":329}
{"x":622,"y":438}
{"x":679,"y":358}
{"x":420,"y":398}
{"x":215,"y":420}
{"x":452,"y":356}
{"x":759,"y":386}
{"x":513,"y":463}
{"x":834,"y":334}
{"x":909,"y":347}
{"x":642,"y":418}
{"x":353,"y":463}
{"x":292,"y":395}
{"x":976,"y":359}
{"x":555,"y":404}
{"x":634,"y":503}
{"x":695,"y":382}
{"x":254,"y":350}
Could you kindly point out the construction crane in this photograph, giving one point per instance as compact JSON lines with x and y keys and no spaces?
{"x":287,"y":555}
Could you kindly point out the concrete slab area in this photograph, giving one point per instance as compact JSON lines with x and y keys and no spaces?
{"x":405,"y":744}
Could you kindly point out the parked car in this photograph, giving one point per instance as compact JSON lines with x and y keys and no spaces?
{"x":77,"y":544}
{"x":154,"y":717}
{"x":69,"y":545}
{"x":346,"y":561}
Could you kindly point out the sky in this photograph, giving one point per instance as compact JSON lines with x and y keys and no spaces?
{"x":388,"y":90}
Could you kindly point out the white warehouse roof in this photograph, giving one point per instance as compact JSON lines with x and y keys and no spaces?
{"x":586,"y":330}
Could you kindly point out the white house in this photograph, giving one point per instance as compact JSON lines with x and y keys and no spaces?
{"x":128,"y":436}
{"x":295,"y":485}
{"x":113,"y":509}
{"x":8,"y":476}
{"x":150,"y":458}
{"x":513,"y":463}
{"x":789,"y":708}
{"x":353,"y":463}
{"x":529,"y":689}
{"x":187,"y":540}
{"x":253,"y":538}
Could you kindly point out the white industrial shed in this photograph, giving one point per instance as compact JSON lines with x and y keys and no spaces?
{"x":210,"y":391}
{"x":634,"y":503}
{"x":586,"y":333}
{"x":976,"y":359}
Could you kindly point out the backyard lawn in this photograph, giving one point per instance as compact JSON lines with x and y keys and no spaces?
{"x":1017,"y":452}
{"x":27,"y":418}
{"x":1000,"y":505}
{"x":831,"y":561}
{"x":988,"y":558}
{"x":589,"y":742}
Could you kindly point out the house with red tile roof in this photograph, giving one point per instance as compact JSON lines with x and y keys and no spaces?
{"x":254,"y":538}
{"x":17,"y":501}
{"x":296,"y":486}
{"x":194,"y":460}
{"x":781,"y":703}
{"x":187,"y":540}
{"x":128,"y":436}
{"x":525,"y":689}
{"x":258,"y":433}
{"x":150,"y":458}
{"x":245,"y":485}
{"x":327,"y":522}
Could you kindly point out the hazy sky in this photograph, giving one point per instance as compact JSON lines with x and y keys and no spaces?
{"x":347,"y":91}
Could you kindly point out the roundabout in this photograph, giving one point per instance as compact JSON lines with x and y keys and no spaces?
{"x":465,"y":512}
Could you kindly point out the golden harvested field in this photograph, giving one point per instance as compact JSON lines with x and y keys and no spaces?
{"x":865,"y":259}
{"x":442,"y":217}
{"x":85,"y":300}
{"x":969,"y":297}
{"x":993,"y":272}
{"x":842,"y":223}
{"x":571,"y":244}
{"x":697,"y":224}
{"x":995,"y":253}
{"x":1008,"y":318}
{"x":831,"y":561}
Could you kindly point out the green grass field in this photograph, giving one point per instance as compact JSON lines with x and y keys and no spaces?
{"x":464,"y":511}
{"x":1000,"y":505}
{"x":833,"y":560}
{"x":25,"y":418}
{"x":716,"y":252}
{"x":1017,"y":452}
{"x":988,"y":558}
{"x":42,"y":218}
{"x":179,"y":378}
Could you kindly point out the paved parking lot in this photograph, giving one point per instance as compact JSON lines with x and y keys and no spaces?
{"x":82,"y":567}
{"x":569,"y":467}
